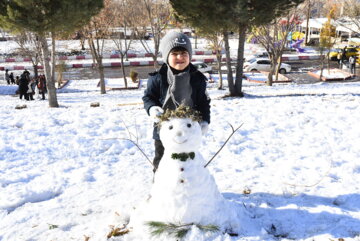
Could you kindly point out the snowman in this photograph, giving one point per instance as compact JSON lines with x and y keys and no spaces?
{"x":184,"y":191}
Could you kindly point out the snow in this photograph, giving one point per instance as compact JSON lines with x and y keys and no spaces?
{"x":69,"y":173}
{"x":333,"y":73}
{"x":297,"y":153}
{"x":183,"y":191}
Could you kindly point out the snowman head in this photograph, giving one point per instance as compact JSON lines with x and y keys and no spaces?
{"x":180,"y":130}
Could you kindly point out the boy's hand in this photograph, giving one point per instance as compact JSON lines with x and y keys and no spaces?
{"x":204,"y":127}
{"x":155,"y":112}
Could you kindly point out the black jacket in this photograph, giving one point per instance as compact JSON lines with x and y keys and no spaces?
{"x":158,"y":85}
{"x":23,"y":85}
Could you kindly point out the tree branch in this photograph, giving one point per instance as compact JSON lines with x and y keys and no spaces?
{"x":233,"y":132}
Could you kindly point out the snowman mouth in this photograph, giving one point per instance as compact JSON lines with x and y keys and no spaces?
{"x":180,"y":141}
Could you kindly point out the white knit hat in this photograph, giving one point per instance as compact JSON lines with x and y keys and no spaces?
{"x":173,"y":40}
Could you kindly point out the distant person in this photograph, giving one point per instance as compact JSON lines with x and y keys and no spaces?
{"x":23,"y":87}
{"x":26,"y":72}
{"x":17,"y":80}
{"x":30,"y":91}
{"x":42,"y":85}
{"x":7,"y":76}
{"x":12,"y":79}
{"x":352,"y":64}
{"x":343,"y":55}
{"x":339,"y":59}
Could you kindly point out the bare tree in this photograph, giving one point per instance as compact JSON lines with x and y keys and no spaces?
{"x":80,"y":35}
{"x":216,"y":43}
{"x":96,"y":32}
{"x":30,"y":47}
{"x":155,"y":14}
{"x":274,"y":38}
{"x":351,"y":15}
{"x":125,"y":18}
{"x":305,"y":9}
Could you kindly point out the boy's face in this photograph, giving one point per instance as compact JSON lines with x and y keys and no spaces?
{"x":179,"y":59}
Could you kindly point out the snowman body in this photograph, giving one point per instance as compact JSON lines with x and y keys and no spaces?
{"x":184,"y":191}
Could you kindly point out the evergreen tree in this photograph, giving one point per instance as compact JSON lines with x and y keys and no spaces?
{"x":47,"y":16}
{"x":210,"y":18}
{"x":231,"y":14}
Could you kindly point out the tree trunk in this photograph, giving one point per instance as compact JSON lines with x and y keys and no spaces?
{"x":36,"y":71}
{"x":97,"y":59}
{"x":53,"y":61}
{"x":82,"y":43}
{"x":321,"y":66}
{"x":101,"y":73}
{"x":156,"y":52}
{"x":278,"y":66}
{"x":59,"y":79}
{"x":269,"y":82}
{"x":240,"y":61}
{"x":307,"y":24}
{"x":228,"y":63}
{"x":156,"y":64}
{"x":218,"y":57}
{"x":123,"y":69}
{"x":196,"y":41}
{"x":50,"y":84}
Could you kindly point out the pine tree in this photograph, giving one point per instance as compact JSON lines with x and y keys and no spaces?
{"x":225,"y":15}
{"x":44,"y":17}
{"x":210,"y":18}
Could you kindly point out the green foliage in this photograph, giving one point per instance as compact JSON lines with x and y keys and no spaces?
{"x":205,"y":15}
{"x":179,"y":231}
{"x":181,"y":112}
{"x":53,"y":226}
{"x":328,"y":31}
{"x":218,"y":15}
{"x":183,"y":156}
{"x":43,"y":16}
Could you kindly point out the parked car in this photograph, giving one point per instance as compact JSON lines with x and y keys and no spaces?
{"x":202,"y":67}
{"x":224,"y":68}
{"x":257,"y":55}
{"x":350,"y":51}
{"x":264,"y":64}
{"x":334,"y":53}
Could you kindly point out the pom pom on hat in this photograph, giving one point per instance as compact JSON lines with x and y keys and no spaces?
{"x":173,"y":40}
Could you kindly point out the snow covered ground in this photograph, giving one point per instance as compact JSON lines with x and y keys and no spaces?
{"x":292,"y":170}
{"x":67,"y":173}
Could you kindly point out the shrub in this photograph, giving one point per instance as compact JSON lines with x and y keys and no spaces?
{"x":133,"y":75}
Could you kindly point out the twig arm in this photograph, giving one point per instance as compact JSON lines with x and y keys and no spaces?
{"x":233,"y":132}
{"x":135,"y":143}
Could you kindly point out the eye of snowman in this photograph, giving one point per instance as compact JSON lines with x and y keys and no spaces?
{"x":188,"y":125}
{"x":170,"y":127}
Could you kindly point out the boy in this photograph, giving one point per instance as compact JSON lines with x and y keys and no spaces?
{"x":177,"y":82}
